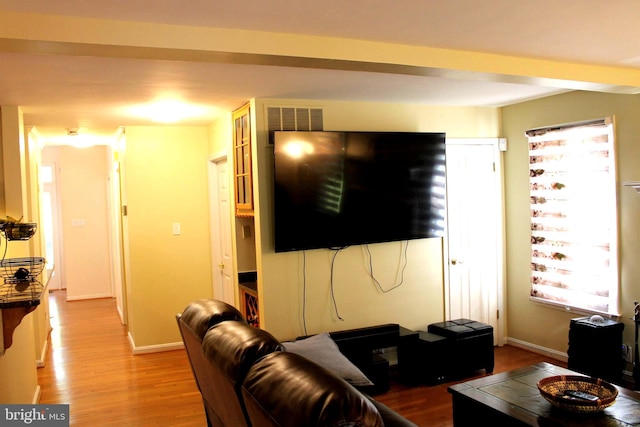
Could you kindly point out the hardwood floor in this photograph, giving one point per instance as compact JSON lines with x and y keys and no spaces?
{"x":431,"y":405}
{"x":90,"y":366}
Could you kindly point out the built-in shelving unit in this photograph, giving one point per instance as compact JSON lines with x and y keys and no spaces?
{"x":249,"y":303}
{"x":244,"y":212}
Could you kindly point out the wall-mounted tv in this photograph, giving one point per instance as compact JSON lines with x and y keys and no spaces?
{"x":337,"y":189}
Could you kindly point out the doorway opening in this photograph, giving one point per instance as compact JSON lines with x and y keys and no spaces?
{"x":474,"y":253}
{"x":51,"y":226}
{"x":220,"y":218}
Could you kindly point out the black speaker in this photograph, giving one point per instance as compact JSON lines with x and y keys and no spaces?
{"x":595,"y":348}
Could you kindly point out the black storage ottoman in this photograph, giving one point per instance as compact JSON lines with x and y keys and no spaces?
{"x":470,"y":345}
{"x":422,"y":358}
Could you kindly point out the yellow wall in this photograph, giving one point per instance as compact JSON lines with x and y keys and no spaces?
{"x":166,"y":183}
{"x":220,"y":136}
{"x":538,"y":324}
{"x":41,"y":318}
{"x":419,"y":300}
{"x":18,"y":374}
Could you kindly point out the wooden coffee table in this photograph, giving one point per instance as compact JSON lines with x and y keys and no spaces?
{"x":512,"y":399}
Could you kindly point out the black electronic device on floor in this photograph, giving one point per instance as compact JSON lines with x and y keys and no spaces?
{"x":595,"y":347}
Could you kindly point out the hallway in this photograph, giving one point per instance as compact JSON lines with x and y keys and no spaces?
{"x":89,"y":365}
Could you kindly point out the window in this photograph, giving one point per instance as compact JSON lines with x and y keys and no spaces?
{"x":572,"y":177}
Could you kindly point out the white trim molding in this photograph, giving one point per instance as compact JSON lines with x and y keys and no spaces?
{"x":635,"y":185}
{"x":156,"y":348}
{"x":534,"y":348}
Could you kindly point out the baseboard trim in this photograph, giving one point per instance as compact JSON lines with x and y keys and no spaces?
{"x":83,"y":297}
{"x":156,"y":348}
{"x":37,"y":394}
{"x":534,"y":348}
{"x":40,"y":363}
{"x":120,"y":315}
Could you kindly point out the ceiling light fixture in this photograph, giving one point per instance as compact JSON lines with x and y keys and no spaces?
{"x":76,"y":137}
{"x":78,"y":141}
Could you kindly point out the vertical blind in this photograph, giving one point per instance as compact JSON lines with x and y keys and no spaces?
{"x":573,"y":216}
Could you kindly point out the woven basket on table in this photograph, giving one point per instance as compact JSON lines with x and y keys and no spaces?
{"x":553,"y":388}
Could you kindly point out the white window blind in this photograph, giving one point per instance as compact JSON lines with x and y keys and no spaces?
{"x":572,"y":173}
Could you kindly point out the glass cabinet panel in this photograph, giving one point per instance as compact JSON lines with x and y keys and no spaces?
{"x":242,"y":161}
{"x":246,"y":158}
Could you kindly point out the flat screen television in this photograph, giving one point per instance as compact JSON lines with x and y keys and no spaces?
{"x":337,"y":189}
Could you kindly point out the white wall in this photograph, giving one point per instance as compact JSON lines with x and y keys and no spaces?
{"x":82,"y":190}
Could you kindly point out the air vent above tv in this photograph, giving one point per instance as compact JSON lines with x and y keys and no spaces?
{"x":293,"y":119}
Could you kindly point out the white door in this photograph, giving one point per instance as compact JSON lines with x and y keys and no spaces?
{"x":474,"y":244}
{"x":221,"y":249}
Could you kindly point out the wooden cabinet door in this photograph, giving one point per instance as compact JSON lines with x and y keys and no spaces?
{"x":243,"y":182}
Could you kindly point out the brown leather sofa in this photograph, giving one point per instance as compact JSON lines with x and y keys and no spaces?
{"x":246,"y":379}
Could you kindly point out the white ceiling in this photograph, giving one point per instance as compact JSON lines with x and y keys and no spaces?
{"x":57,"y":91}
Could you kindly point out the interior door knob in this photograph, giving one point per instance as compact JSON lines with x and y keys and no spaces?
{"x":221,"y":266}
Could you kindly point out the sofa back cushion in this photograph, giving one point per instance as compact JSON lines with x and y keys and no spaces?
{"x":202,"y":314}
{"x":287,"y":390}
{"x":231,"y":348}
{"x":193,"y":323}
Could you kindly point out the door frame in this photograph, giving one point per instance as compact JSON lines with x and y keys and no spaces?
{"x":499,"y":145}
{"x":115,"y":205}
{"x":57,"y":279}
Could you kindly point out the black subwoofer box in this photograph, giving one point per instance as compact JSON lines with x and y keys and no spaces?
{"x":595,"y":348}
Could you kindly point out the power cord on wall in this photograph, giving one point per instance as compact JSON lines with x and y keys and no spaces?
{"x":304,"y":292}
{"x":404,"y":266}
{"x":333,"y":296}
{"x":304,"y":288}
